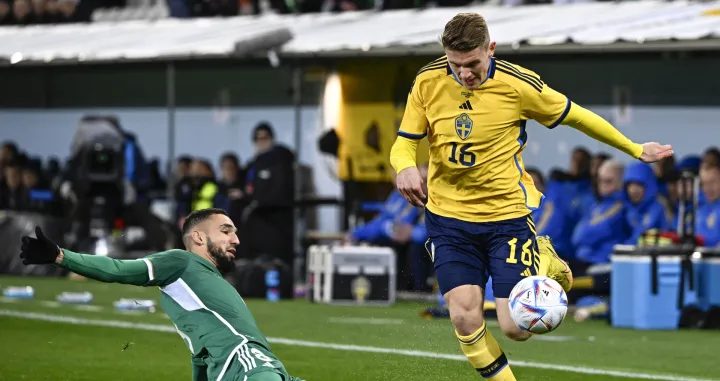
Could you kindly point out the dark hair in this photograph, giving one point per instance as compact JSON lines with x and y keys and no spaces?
{"x":185,"y":159}
{"x":231,"y":157}
{"x":199,"y":216}
{"x":263,"y":126}
{"x":466,"y":32}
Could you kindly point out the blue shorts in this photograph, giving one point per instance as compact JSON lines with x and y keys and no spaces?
{"x":469,"y":252}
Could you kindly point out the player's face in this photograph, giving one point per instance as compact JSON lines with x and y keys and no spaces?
{"x":471,"y":68}
{"x":223,"y":238}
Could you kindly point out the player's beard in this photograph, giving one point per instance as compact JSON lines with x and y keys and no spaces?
{"x":225,"y":263}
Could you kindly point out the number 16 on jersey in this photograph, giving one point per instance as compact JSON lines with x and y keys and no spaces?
{"x":464,"y":156}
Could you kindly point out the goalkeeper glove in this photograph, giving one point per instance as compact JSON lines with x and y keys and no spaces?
{"x":38,"y":251}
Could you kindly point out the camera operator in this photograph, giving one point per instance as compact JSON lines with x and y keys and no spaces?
{"x":99,"y":181}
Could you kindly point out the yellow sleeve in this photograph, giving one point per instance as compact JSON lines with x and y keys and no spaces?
{"x":414,"y":122}
{"x":601,"y":130}
{"x":413,"y":128}
{"x":403,"y":153}
{"x":542,"y":103}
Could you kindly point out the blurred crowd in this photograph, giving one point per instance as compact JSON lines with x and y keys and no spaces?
{"x":27,"y":12}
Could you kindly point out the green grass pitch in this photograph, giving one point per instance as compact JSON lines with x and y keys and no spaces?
{"x":44,"y":340}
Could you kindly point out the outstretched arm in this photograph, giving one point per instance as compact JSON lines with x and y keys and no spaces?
{"x":154,"y":270}
{"x":104,"y":269}
{"x":552,"y":108}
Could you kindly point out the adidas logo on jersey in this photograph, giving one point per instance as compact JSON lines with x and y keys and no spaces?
{"x":466,"y":106}
{"x":526,"y":272}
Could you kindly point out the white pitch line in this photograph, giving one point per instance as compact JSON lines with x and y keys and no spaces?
{"x":352,"y":348}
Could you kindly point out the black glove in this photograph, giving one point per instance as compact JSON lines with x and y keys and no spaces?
{"x":38,"y":251}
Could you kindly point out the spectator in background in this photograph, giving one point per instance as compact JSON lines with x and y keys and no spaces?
{"x":44,"y":11}
{"x":22,"y":12}
{"x":707,"y":224}
{"x":578,"y":184}
{"x":5,"y":13}
{"x":8,"y":153}
{"x":711,"y":157}
{"x":552,"y":217}
{"x":233,"y":182}
{"x":270,"y":186}
{"x":12,"y":193}
{"x":646,"y":209}
{"x":605,"y":226}
{"x":205,"y":191}
{"x":39,"y":197}
{"x":67,"y":11}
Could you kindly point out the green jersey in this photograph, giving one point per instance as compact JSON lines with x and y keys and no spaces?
{"x":207,"y":311}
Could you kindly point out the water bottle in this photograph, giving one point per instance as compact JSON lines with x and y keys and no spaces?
{"x":75,"y":297}
{"x":272,"y":282}
{"x":19,"y":292}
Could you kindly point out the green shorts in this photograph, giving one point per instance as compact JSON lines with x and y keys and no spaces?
{"x":255,"y":363}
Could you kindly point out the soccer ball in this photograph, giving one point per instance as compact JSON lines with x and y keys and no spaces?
{"x":538,"y":304}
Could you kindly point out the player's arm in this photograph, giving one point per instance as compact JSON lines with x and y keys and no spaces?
{"x":551,"y":108}
{"x":413,"y":128}
{"x":403,"y":154}
{"x":155,"y":270}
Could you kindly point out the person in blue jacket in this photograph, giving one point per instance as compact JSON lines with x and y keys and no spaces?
{"x":395,"y":221}
{"x":605,"y":226}
{"x":707,"y":220}
{"x":646,"y":209}
{"x":552,"y":217}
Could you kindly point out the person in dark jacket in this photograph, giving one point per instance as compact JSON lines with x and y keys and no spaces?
{"x":270,"y":186}
{"x":646,"y":209}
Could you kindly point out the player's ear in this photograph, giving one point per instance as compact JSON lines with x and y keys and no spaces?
{"x":491,"y":49}
{"x":197,"y":237}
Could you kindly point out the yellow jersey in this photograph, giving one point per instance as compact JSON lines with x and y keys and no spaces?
{"x":477,"y":137}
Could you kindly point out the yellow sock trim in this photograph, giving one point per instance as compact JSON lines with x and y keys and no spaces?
{"x":484,"y":354}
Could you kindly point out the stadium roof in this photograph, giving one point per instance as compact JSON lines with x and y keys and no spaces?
{"x":634,"y":25}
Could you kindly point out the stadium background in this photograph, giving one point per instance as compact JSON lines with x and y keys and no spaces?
{"x":664,"y":91}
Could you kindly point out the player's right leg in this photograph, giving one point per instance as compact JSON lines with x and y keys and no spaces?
{"x":461,"y":274}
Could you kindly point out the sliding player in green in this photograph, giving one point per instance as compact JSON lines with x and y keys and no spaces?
{"x":207,"y":311}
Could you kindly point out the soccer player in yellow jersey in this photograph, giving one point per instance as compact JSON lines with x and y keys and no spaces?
{"x":473,"y":109}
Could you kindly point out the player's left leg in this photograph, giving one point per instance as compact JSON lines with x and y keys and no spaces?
{"x":513,"y":256}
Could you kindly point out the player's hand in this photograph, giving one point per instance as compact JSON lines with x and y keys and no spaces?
{"x":409,"y":184}
{"x":653,"y":152}
{"x":38,"y":251}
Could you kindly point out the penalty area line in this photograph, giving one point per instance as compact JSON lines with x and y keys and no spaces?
{"x":350,"y":348}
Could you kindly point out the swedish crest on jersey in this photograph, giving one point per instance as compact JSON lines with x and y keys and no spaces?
{"x":463,"y":126}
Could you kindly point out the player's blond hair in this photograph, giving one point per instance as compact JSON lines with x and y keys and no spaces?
{"x":466,"y":32}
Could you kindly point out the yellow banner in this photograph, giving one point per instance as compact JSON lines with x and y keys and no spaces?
{"x":373,"y":102}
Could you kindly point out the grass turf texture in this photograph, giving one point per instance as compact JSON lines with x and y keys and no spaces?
{"x":45,"y":350}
